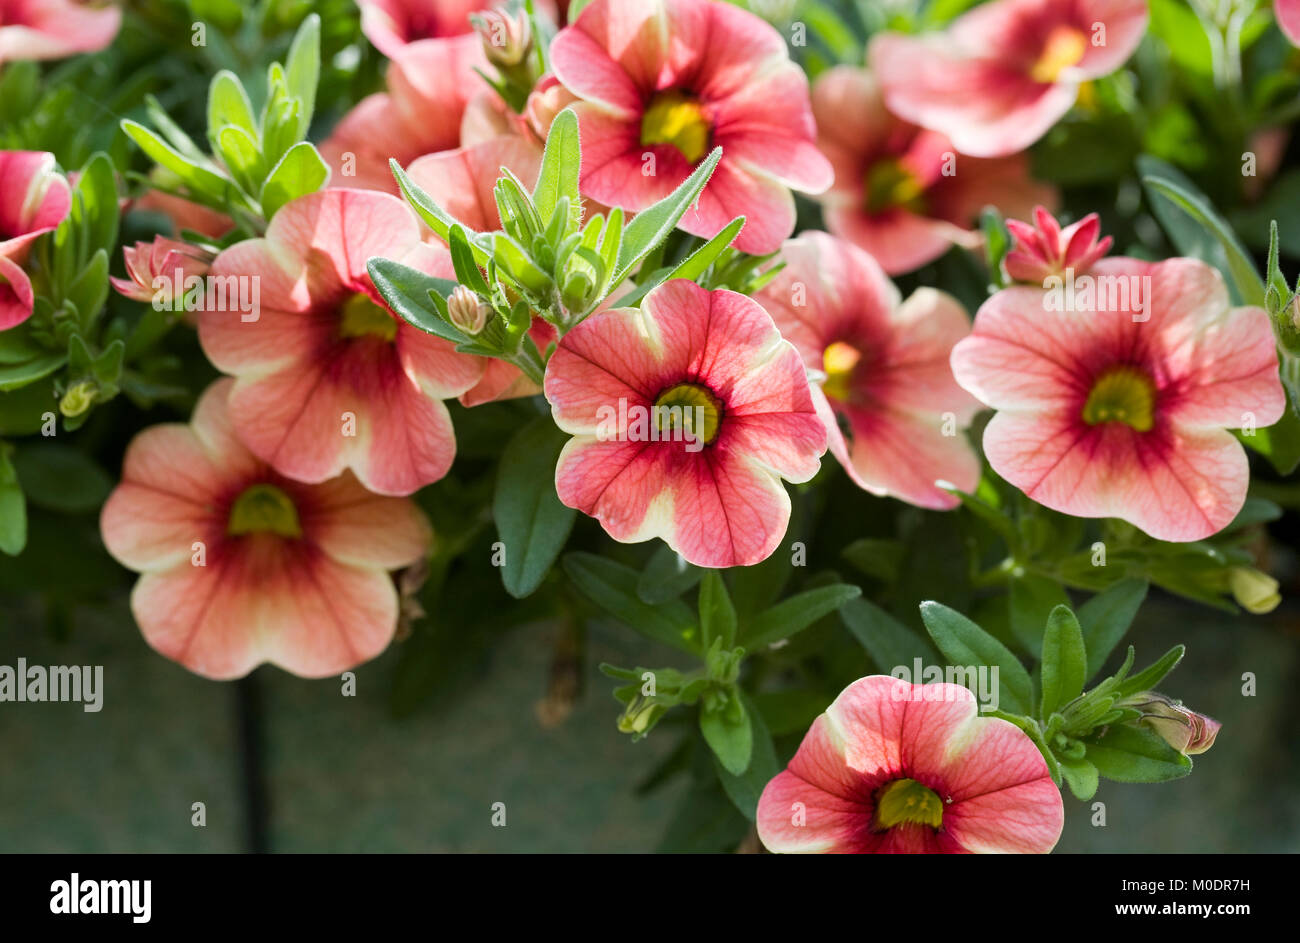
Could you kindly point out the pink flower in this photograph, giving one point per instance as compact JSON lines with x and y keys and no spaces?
{"x":34,"y":199}
{"x":885,"y":368}
{"x":327,"y":377}
{"x":243,"y":566}
{"x":461,"y":181}
{"x":901,"y":192}
{"x":54,"y":29}
{"x":686,"y":414}
{"x":157,"y":271}
{"x":393,"y":25}
{"x":430,"y":86}
{"x":662,"y":83}
{"x":899,"y":768}
{"x":1045,"y":249}
{"x":1001,"y":75}
{"x":1288,"y":18}
{"x":1119,"y":405}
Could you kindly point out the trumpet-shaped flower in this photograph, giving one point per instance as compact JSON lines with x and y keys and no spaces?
{"x":900,"y":768}
{"x":394,"y":25}
{"x":887,"y":381}
{"x":327,"y":376}
{"x":1115,"y":401}
{"x":663,"y":82}
{"x":1002,"y":74}
{"x":34,"y":199}
{"x":241,"y":565}
{"x":902,"y":192}
{"x":430,"y":86}
{"x":686,"y":414}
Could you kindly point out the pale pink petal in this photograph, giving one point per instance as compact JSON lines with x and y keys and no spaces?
{"x":1288,"y":18}
{"x":462,"y":181}
{"x":359,"y":528}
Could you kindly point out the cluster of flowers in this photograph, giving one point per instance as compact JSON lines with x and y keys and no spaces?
{"x":266,"y":527}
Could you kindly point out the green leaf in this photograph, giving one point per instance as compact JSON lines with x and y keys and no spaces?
{"x":1279,"y":443}
{"x":408,"y":292}
{"x":698,"y":262}
{"x":1033,"y":597}
{"x":1197,"y":230}
{"x":13,"y":509}
{"x":1106,"y":617}
{"x":612,"y":586}
{"x":300,"y":171}
{"x":889,"y":643}
{"x":1081,"y":777}
{"x":302,"y":69}
{"x":228,"y":104}
{"x":729,"y":735}
{"x":666,"y":576}
{"x":558,"y":176}
{"x":746,"y":789}
{"x":61,"y":478}
{"x":652,"y":225}
{"x":1148,"y":678}
{"x":964,"y":643}
{"x":1065,"y":661}
{"x":200,"y":180}
{"x":717,"y":614}
{"x":796,"y":614}
{"x":531,"y":520}
{"x":1129,"y":754}
{"x":238,"y":148}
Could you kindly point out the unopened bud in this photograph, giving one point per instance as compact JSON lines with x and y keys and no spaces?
{"x":1186,"y":731}
{"x":79,"y":398}
{"x":1254,"y":591}
{"x":507,"y":40}
{"x":640,"y":716}
{"x":467,"y":311}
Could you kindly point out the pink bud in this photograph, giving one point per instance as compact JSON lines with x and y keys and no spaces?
{"x":1045,"y":249}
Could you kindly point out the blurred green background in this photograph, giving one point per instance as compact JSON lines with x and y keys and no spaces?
{"x":287,"y":765}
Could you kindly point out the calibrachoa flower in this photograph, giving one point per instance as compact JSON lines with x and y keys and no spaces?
{"x":1045,"y":249}
{"x":430,"y":85}
{"x":1001,"y":75}
{"x":885,"y":366}
{"x":34,"y":199}
{"x":686,"y":414}
{"x":663,"y":82}
{"x":900,"y":768}
{"x":1120,"y":407}
{"x":327,"y":376}
{"x":901,"y":192}
{"x":54,"y":29}
{"x":243,"y":566}
{"x":1288,"y":18}
{"x":393,"y":25}
{"x":157,"y":272}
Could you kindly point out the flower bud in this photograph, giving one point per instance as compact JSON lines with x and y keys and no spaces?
{"x":1186,"y":731}
{"x":79,"y":398}
{"x":507,"y":40}
{"x":467,"y":311}
{"x":1044,"y":249}
{"x":640,"y":716}
{"x":1256,"y":592}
